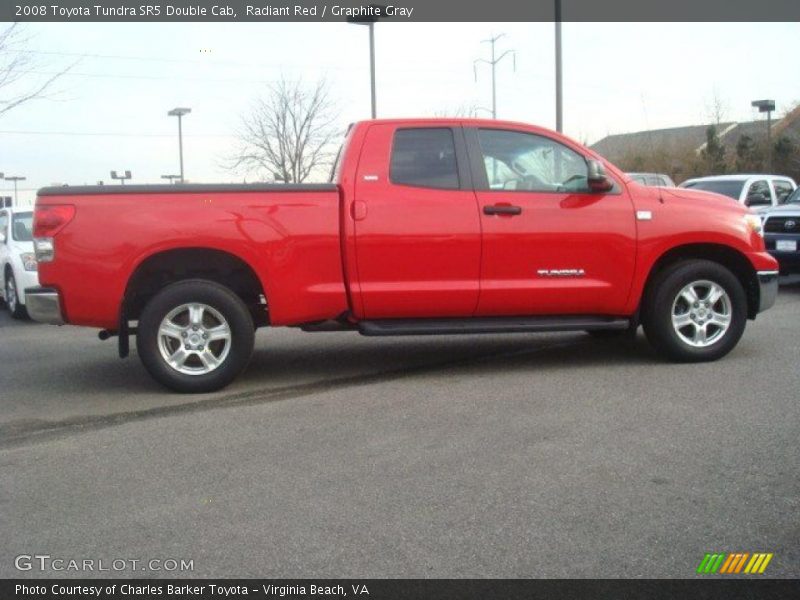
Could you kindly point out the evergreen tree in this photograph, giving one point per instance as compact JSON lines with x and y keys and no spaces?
{"x":714,"y":153}
{"x":748,"y":159}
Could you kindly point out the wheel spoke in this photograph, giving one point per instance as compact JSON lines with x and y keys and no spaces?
{"x":720,"y":319}
{"x":170,"y":329}
{"x":690,"y":295}
{"x":178,"y":358}
{"x":681,"y":321}
{"x":699,"y":334}
{"x":220,"y":332}
{"x":196,"y":314}
{"x":714,"y":294}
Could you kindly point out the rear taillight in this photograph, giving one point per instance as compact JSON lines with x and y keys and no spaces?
{"x":47,"y":222}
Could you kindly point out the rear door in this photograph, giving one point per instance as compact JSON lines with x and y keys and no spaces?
{"x":417,"y":226}
{"x":550,"y":246}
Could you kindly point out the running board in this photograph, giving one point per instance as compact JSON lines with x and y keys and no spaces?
{"x":383,"y":327}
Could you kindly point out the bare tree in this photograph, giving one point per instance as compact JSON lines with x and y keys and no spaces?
{"x":717,"y":109}
{"x":17,"y":64}
{"x":290,"y":132}
{"x":462,"y":111}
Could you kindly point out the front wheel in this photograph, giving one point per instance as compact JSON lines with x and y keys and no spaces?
{"x":195,"y":336}
{"x":16,"y":309}
{"x":696,"y":311}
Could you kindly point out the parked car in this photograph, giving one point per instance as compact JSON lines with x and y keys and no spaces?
{"x":431,"y":226}
{"x":782,"y":233}
{"x":759,"y":192}
{"x":652,"y":179}
{"x":17,"y":259}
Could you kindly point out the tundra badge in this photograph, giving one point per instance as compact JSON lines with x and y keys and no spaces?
{"x":561,"y":272}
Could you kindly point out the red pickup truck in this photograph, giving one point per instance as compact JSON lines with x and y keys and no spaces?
{"x":427,"y":227}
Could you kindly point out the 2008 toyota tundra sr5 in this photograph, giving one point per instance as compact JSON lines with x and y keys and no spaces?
{"x":427,"y":226}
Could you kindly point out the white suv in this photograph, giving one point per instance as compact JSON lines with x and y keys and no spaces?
{"x":760,"y":192}
{"x":17,"y":259}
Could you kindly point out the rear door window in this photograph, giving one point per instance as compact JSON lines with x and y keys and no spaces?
{"x":424,"y":157}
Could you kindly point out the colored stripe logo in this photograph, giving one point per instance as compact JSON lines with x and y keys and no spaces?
{"x":733,"y":563}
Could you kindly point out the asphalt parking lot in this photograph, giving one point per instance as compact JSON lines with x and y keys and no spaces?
{"x":341,"y":456}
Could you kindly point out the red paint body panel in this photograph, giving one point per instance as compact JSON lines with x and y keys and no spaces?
{"x":291,"y":241}
{"x":382,"y":250}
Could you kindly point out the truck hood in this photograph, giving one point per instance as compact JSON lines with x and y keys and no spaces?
{"x":786,"y":209}
{"x":699,"y":195}
{"x":17,"y":247}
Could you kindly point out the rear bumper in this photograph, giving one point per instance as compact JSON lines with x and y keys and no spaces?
{"x":44,"y":305}
{"x":768,"y":289}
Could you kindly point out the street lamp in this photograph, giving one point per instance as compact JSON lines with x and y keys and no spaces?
{"x":766,"y":106}
{"x":376,"y":11}
{"x":121,"y":178}
{"x":559,"y":82}
{"x":179,"y":112}
{"x":171,"y":178}
{"x":15,"y":179}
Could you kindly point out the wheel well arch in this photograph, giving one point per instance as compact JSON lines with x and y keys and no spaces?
{"x":727,"y":256}
{"x":170,"y":266}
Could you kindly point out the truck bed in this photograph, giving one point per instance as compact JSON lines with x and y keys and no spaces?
{"x":289,"y":235}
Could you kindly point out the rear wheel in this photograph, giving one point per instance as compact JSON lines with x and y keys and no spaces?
{"x":696,"y":311}
{"x":195,"y":336}
{"x":16,"y":309}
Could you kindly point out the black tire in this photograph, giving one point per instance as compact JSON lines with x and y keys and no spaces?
{"x":214,"y":296}
{"x":17,"y":310}
{"x":661,"y":299}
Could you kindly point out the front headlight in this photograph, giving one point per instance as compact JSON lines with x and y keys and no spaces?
{"x":753,"y":223}
{"x":28,"y":261}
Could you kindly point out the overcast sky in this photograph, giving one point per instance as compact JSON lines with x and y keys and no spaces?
{"x":109,"y":112}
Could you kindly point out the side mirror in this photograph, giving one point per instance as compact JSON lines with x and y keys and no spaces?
{"x":597,"y":178}
{"x":757,"y":199}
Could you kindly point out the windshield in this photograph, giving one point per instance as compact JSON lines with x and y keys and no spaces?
{"x":22,"y":228}
{"x":793,"y":198}
{"x":726,"y":188}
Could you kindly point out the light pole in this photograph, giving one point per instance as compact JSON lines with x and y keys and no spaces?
{"x":766,"y":106}
{"x":179,"y":112}
{"x":171,"y":178}
{"x":15,"y":179}
{"x":559,"y":82}
{"x":376,"y":11}
{"x":493,"y":63}
{"x":121,"y":178}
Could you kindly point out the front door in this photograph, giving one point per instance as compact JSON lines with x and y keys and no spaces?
{"x":550,"y":245}
{"x":417,"y":226}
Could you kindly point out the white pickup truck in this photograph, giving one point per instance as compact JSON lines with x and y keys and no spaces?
{"x":759,"y":192}
{"x":17,"y":259}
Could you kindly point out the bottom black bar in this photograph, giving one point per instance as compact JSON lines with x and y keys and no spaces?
{"x":390,"y":589}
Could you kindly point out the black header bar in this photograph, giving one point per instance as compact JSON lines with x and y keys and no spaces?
{"x":401,"y":11}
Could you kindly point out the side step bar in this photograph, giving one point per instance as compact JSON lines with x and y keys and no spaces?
{"x":383,"y":327}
